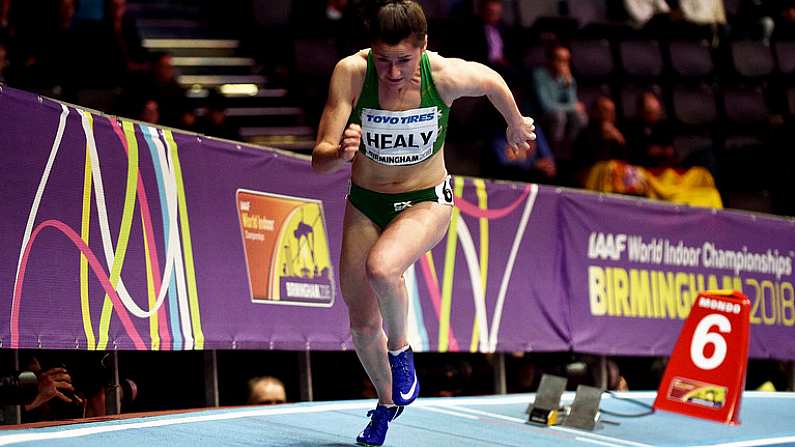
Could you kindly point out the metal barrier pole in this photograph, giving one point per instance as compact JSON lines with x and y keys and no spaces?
{"x":500,"y":383}
{"x":113,"y":404}
{"x":305,"y":372}
{"x":211,"y":394}
{"x":12,"y":414}
{"x":603,"y":372}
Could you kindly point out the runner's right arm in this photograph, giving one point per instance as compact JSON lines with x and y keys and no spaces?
{"x":335,"y":144}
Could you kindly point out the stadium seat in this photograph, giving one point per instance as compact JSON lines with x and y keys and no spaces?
{"x":751,"y":59}
{"x":785,"y":56}
{"x":534,"y":57}
{"x":694,"y":107}
{"x":591,"y":59}
{"x":641,"y":58}
{"x":691,"y":59}
{"x":745,"y":109}
{"x":587,"y":12}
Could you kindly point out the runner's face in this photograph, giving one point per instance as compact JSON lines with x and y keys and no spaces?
{"x":397,"y":64}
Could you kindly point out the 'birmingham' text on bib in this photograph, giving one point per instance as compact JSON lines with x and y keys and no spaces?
{"x":399,"y":138}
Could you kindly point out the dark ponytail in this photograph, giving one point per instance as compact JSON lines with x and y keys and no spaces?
{"x":391,"y":21}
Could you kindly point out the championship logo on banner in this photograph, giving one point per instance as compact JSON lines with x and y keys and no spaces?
{"x":286,"y":247}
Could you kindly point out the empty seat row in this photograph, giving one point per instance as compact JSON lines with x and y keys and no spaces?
{"x":691,"y":59}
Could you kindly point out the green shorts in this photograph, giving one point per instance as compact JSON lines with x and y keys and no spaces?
{"x":381,"y":208}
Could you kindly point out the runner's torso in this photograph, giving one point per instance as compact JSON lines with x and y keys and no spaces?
{"x":402,"y":138}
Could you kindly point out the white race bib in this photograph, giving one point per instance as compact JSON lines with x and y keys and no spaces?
{"x":400,"y":138}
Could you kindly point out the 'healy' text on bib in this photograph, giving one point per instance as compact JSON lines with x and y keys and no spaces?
{"x":399,"y":138}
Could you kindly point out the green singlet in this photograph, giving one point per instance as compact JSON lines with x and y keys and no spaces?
{"x":406,"y":137}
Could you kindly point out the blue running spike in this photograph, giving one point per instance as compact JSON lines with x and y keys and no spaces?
{"x":374,"y":434}
{"x":405,"y":385}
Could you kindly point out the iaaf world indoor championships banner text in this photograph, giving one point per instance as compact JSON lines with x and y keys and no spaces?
{"x":120,"y":235}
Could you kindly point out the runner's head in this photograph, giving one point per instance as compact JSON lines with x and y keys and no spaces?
{"x":398,"y":36}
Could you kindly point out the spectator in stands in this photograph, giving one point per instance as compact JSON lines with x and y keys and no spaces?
{"x":677,"y":18}
{"x":214,"y":123}
{"x":120,"y":41}
{"x":785,"y":21}
{"x":753,"y":20}
{"x":3,"y":61}
{"x":703,"y":12}
{"x":6,"y":31}
{"x":562,"y":115}
{"x":643,"y":12}
{"x":160,"y":84}
{"x":650,"y":134}
{"x":488,"y":41}
{"x":537,"y":166}
{"x":324,"y":19}
{"x":266,"y":390}
{"x":47,"y":46}
{"x":148,"y":111}
{"x":601,"y":140}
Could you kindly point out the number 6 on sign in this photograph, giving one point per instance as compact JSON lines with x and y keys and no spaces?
{"x":706,"y":372}
{"x":703,"y":338}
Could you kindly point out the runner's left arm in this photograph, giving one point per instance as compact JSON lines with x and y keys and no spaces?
{"x":462,"y":78}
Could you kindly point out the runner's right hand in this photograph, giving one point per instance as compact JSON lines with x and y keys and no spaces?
{"x":351,"y":139}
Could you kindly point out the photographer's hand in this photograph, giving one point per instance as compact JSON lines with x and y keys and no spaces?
{"x":53,"y":383}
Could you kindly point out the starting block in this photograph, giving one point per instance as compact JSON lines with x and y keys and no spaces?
{"x":584,"y":412}
{"x":544,"y":410}
{"x":705,"y":376}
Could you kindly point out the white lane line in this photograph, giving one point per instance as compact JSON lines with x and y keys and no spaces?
{"x":602,"y":437}
{"x":449,"y":413}
{"x":618,"y":441}
{"x":487,"y":414}
{"x":594,"y":441}
{"x":87,"y":431}
{"x":754,"y":442}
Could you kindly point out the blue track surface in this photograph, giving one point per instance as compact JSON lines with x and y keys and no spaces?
{"x":768,"y":419}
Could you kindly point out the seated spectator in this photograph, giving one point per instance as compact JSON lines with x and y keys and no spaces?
{"x":650,"y":134}
{"x":214,"y":123}
{"x":785,"y":21}
{"x":160,"y":84}
{"x":3,"y":62}
{"x":266,"y":390}
{"x":560,"y":113}
{"x":6,"y":30}
{"x":753,"y":20}
{"x":47,"y":47}
{"x":703,"y":12}
{"x":148,"y":111}
{"x":601,"y":140}
{"x":665,"y":19}
{"x":119,"y":43}
{"x":536,"y":166}
{"x":642,"y":12}
{"x":488,"y":41}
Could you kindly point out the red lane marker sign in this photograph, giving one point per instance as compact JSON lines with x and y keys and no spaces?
{"x":705,"y":376}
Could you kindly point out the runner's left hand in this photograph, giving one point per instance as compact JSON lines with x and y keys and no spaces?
{"x":521,"y":136}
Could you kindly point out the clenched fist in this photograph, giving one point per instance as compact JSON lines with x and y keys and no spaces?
{"x":351,"y":139}
{"x":521,"y":135}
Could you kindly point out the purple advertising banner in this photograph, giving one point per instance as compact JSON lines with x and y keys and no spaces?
{"x":121,"y":235}
{"x":634,"y":268}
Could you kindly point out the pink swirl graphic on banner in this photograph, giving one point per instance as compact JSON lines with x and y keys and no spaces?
{"x":495,"y":213}
{"x":143,"y":200}
{"x":95,"y":266}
